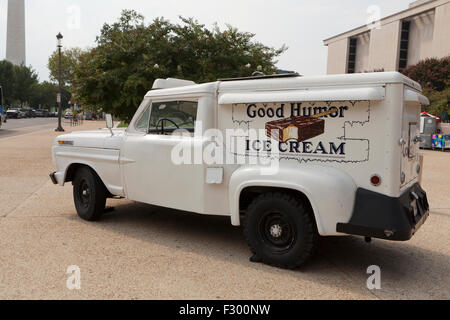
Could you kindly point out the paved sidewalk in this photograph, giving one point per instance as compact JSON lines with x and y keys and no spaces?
{"x":142,"y":252}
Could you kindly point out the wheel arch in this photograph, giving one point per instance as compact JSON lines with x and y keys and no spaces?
{"x":74,"y":167}
{"x":329,"y":192}
{"x":249,"y":193}
{"x":250,"y":190}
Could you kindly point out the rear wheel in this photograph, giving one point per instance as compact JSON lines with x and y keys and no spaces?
{"x":89,"y":194}
{"x":280,"y":231}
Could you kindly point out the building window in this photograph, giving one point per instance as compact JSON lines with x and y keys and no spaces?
{"x":352,"y":55}
{"x":404,"y":45}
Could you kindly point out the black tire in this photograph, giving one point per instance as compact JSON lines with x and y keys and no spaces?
{"x":89,"y":194}
{"x":280,"y":231}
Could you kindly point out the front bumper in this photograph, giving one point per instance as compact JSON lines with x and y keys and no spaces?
{"x":53,"y":177}
{"x":379,"y":216}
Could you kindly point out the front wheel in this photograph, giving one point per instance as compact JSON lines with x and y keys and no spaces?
{"x":89,"y":194}
{"x":280,"y":231}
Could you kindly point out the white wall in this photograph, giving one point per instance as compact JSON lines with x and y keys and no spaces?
{"x":421,"y":38}
{"x":337,"y":57}
{"x":384,"y":47}
{"x":441,"y":41}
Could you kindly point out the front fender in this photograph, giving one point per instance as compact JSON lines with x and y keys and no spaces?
{"x":103,"y":161}
{"x":330,"y":191}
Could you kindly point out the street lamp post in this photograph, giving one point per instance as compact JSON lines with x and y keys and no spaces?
{"x":59,"y":98}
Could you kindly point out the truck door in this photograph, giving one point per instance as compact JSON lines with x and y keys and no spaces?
{"x":410,"y":144}
{"x":149,"y":171}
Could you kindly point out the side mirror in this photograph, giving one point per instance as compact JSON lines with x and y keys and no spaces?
{"x":109,"y":121}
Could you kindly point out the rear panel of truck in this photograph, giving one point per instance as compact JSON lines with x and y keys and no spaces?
{"x":410,"y":144}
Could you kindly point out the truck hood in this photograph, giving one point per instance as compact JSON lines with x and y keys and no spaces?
{"x":99,"y":139}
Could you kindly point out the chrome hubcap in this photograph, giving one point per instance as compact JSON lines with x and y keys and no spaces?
{"x":276,"y":231}
{"x":84,"y":194}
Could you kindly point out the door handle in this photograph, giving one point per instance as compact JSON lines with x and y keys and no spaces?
{"x":418,"y":139}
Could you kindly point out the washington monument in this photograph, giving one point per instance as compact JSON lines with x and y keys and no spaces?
{"x":15,"y":39}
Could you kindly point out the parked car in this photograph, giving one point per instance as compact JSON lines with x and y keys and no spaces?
{"x":25,"y":113}
{"x":42,"y":113}
{"x":14,"y":114}
{"x":68,"y":115}
{"x":288,"y":157}
{"x":30,"y":113}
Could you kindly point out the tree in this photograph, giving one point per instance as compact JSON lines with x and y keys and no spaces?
{"x":130,"y":55}
{"x":7,"y":81}
{"x":44,"y":95}
{"x":69,"y":61}
{"x":431,"y":73}
{"x":25,"y":80}
{"x":434,"y":76}
{"x":18,"y":82}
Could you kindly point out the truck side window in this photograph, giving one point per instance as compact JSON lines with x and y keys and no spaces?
{"x":167,"y":117}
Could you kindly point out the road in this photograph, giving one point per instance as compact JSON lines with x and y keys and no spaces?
{"x":144,"y":252}
{"x":17,"y":127}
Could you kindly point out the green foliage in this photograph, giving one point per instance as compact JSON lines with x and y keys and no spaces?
{"x":22,"y":88}
{"x":439,"y":101}
{"x":7,"y":81}
{"x":434,"y":76}
{"x":69,"y":61}
{"x":130,"y":55}
{"x":431,"y":73}
{"x":44,"y":95}
{"x":123,"y":125}
{"x":25,"y":80}
{"x":19,"y":83}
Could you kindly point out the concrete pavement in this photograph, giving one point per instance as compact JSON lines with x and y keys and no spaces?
{"x":143,"y":252}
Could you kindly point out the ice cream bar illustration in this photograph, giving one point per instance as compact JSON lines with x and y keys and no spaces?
{"x":298,"y":128}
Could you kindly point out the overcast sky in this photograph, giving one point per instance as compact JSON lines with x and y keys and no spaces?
{"x":300,"y":24}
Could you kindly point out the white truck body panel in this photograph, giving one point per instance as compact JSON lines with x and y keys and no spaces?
{"x":361,"y":139}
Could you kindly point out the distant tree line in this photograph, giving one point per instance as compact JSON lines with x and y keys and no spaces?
{"x":130,"y":54}
{"x":21,"y":87}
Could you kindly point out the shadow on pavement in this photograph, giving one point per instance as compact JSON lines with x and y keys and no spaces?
{"x":408,"y":271}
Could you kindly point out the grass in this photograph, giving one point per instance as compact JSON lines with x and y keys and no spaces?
{"x":123,"y":125}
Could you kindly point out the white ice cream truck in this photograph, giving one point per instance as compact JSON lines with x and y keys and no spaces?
{"x":289,"y":158}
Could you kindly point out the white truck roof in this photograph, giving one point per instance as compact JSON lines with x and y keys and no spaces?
{"x":361,"y":86}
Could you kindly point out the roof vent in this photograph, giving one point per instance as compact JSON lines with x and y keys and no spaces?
{"x":171,"y":83}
